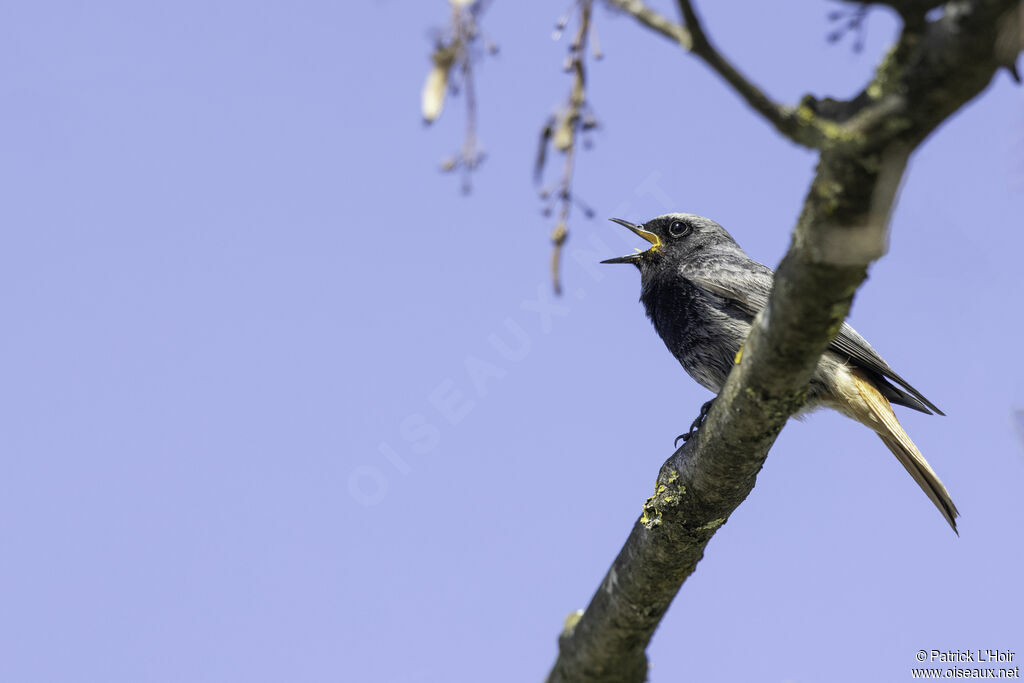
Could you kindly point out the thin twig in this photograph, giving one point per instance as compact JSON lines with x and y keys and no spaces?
{"x":471,"y":154}
{"x":801,"y":125}
{"x":654,"y":20}
{"x":456,"y":54}
{"x":564,"y":132}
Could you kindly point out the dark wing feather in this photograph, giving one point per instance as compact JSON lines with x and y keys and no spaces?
{"x":851,"y":344}
{"x":747,"y":285}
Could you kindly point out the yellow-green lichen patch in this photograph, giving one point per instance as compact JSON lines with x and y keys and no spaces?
{"x":713,"y":524}
{"x":829,"y":192}
{"x":571,"y":621}
{"x":886,"y":76}
{"x":651,"y":517}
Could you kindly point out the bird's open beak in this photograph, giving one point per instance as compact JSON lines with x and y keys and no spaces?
{"x":646,"y":234}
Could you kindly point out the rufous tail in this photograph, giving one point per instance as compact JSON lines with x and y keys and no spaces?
{"x":882,"y":419}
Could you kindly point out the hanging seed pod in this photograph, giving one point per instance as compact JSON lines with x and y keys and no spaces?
{"x":433,"y":93}
{"x":564,"y":133}
{"x":436,"y":87}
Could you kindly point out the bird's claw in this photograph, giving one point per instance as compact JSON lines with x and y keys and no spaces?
{"x":696,"y":424}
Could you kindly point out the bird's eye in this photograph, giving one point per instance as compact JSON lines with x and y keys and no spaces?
{"x":678,"y":228}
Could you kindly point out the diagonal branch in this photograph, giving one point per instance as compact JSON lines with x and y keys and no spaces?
{"x":805,"y":131}
{"x":842,"y":229}
{"x":654,"y":20}
{"x":799,"y":124}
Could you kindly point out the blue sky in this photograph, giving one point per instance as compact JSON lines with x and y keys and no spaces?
{"x":280,"y":404}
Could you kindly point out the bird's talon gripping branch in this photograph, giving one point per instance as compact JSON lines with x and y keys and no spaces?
{"x":704,"y":409}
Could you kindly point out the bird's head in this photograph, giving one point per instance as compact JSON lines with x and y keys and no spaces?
{"x":675,"y":238}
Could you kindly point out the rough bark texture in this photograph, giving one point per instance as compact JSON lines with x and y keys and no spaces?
{"x":934,"y":69}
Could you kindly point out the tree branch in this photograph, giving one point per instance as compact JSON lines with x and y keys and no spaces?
{"x":654,"y":20}
{"x":804,"y":130}
{"x":799,"y":124}
{"x":842,"y":228}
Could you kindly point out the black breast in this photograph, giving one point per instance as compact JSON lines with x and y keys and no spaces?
{"x":703,"y":331}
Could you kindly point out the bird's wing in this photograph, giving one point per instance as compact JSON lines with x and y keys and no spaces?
{"x":849,"y":343}
{"x":747,"y":286}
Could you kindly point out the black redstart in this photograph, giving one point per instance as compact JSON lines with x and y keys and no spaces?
{"x":702,"y":292}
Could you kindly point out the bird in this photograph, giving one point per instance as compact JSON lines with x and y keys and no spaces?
{"x":701,"y":291}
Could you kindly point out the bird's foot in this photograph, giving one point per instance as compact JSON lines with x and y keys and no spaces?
{"x":696,"y":424}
